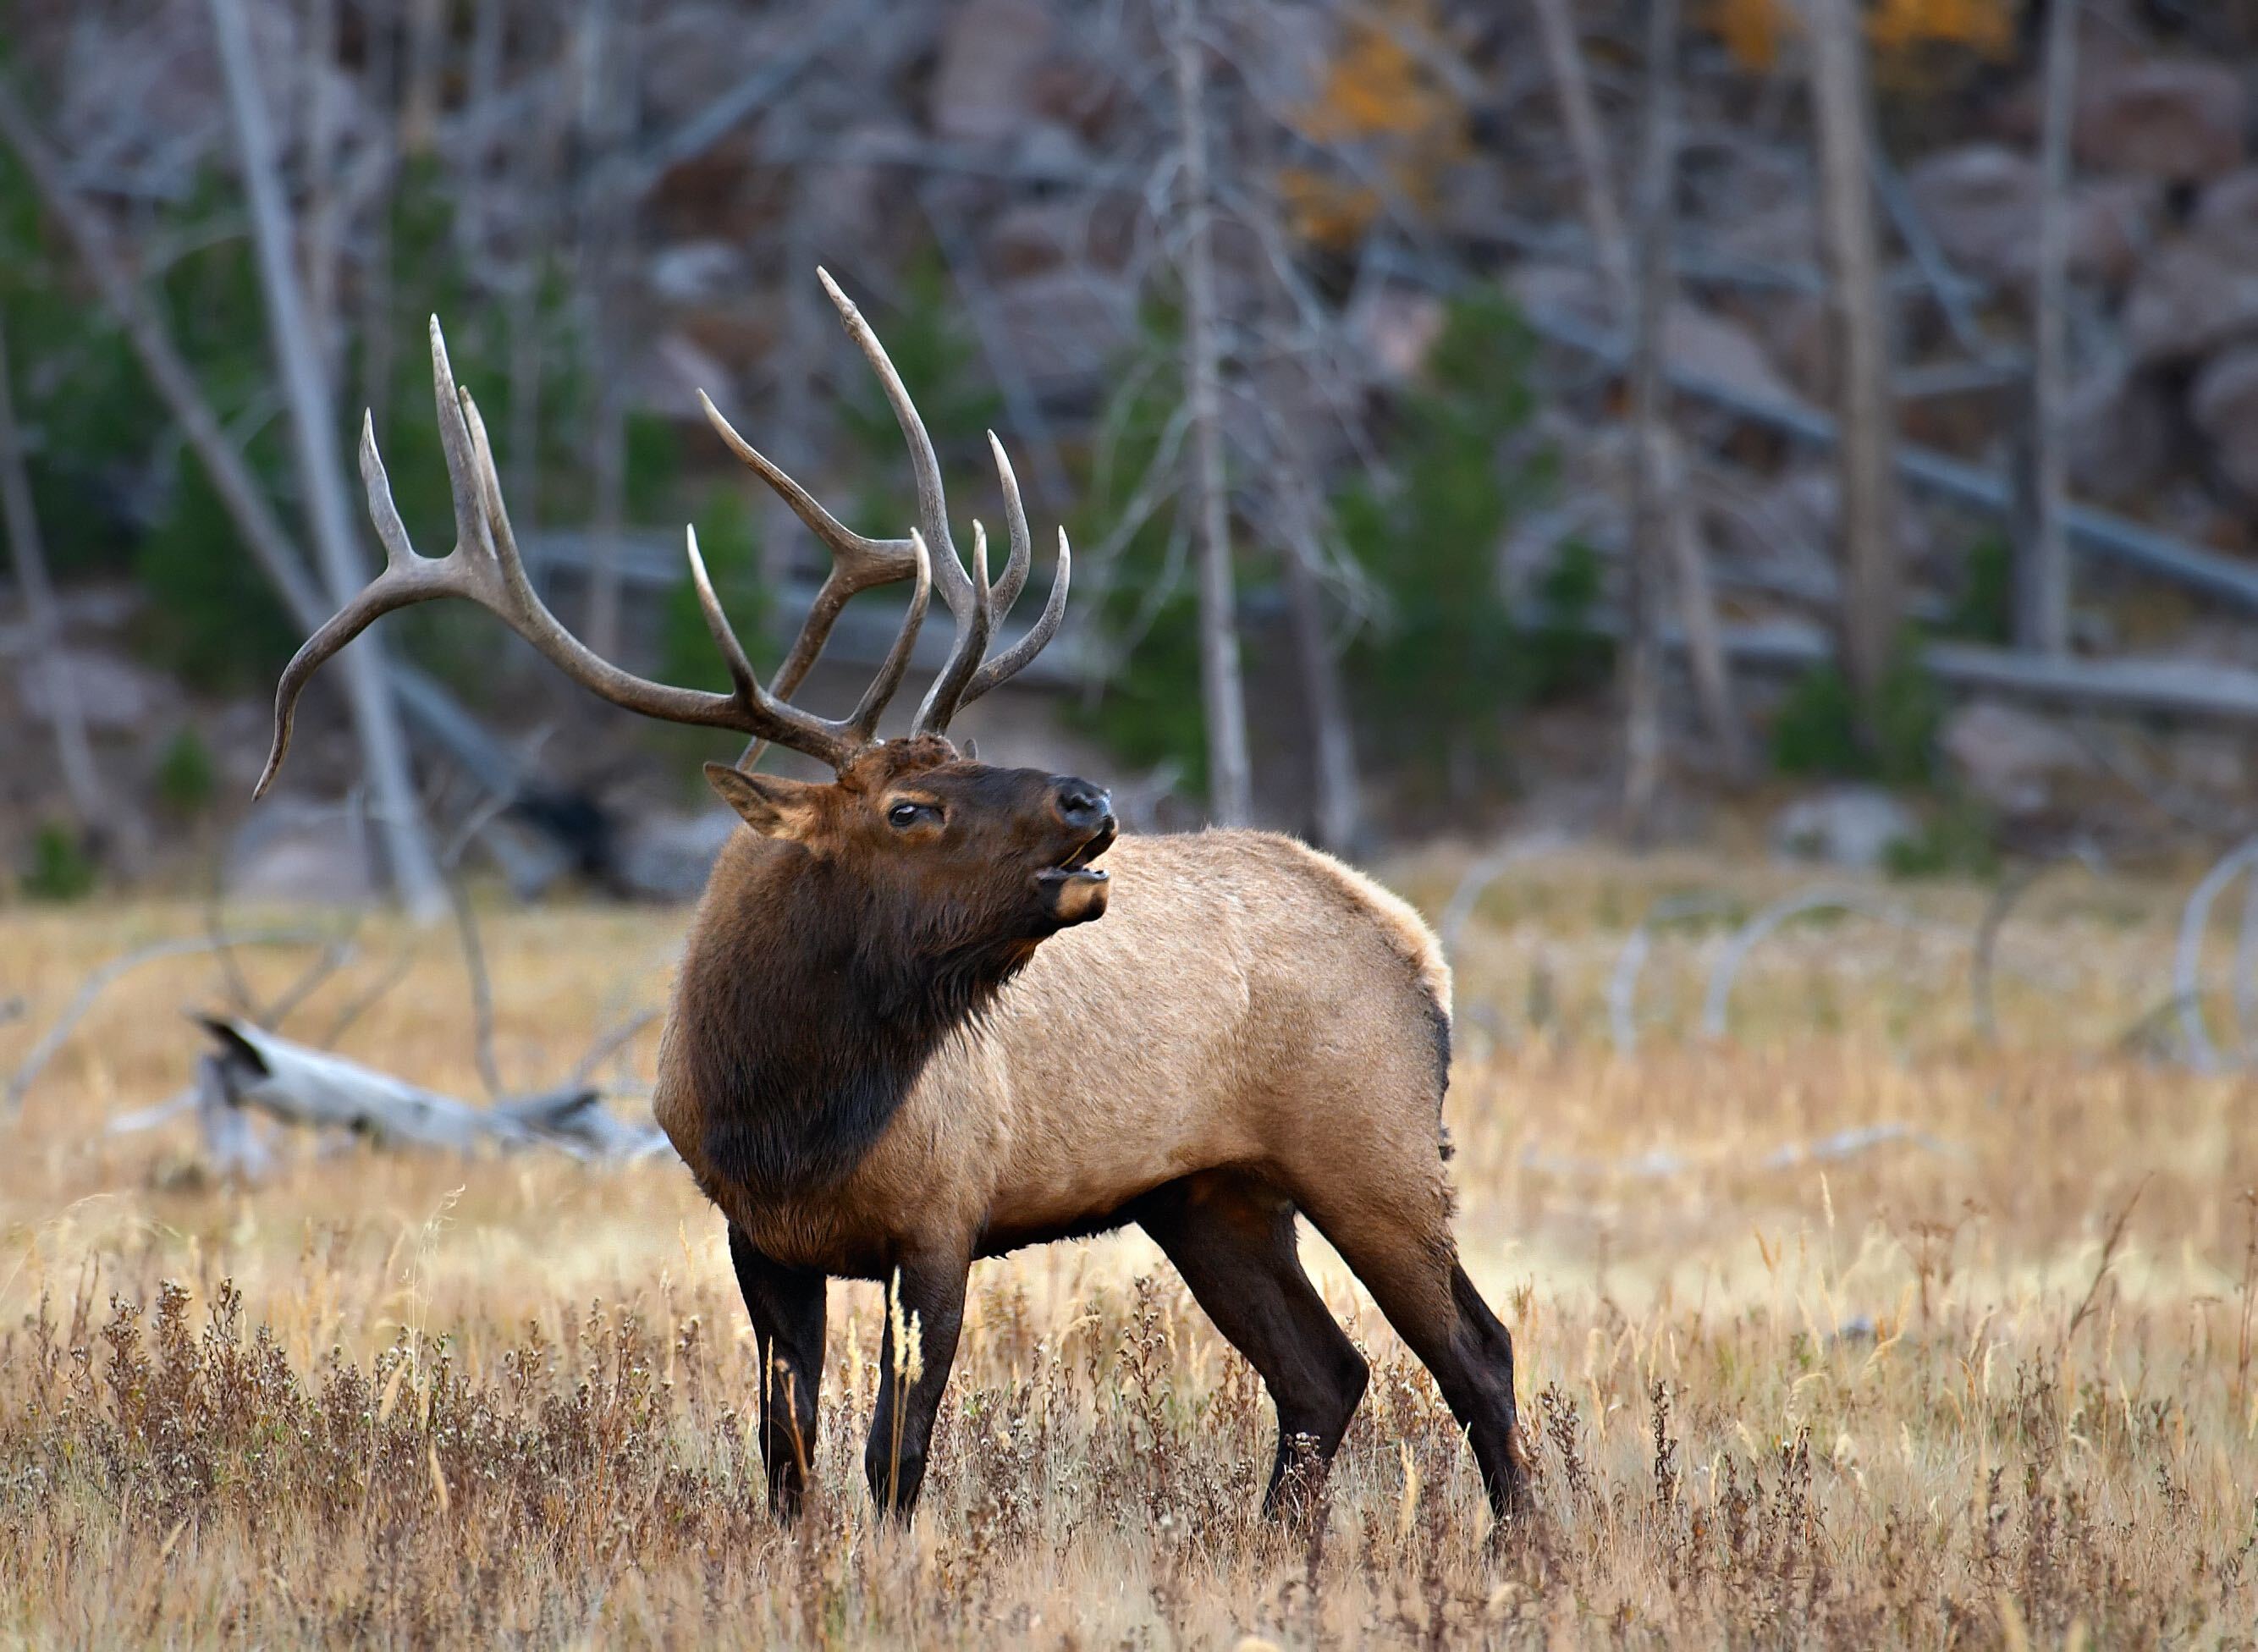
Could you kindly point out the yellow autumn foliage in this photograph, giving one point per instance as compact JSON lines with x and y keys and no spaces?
{"x":1754,"y":31}
{"x":1383,"y":95}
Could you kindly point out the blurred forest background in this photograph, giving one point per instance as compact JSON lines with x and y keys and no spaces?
{"x":1826,"y":426}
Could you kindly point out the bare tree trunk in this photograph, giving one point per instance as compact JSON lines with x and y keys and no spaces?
{"x":73,"y":751}
{"x":793,"y":400}
{"x":477,"y":159}
{"x":1338,"y":816}
{"x":415,"y":872}
{"x":383,"y":53}
{"x":1713,"y":679}
{"x":1230,"y":775}
{"x":1653,"y":469}
{"x":323,"y":229}
{"x":1705,"y":636}
{"x":1564,"y":58}
{"x":538,"y":165}
{"x":419,"y":110}
{"x":2043,"y":573}
{"x":602,"y":135}
{"x":1873,"y":598}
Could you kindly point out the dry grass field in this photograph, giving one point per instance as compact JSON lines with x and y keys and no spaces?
{"x":1857,"y":1329}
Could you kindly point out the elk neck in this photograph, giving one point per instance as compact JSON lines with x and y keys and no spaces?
{"x":806,"y":1012}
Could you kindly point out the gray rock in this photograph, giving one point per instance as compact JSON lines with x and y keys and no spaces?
{"x":1066,"y":325}
{"x":1981,"y":202}
{"x":294,"y":850}
{"x":2189,"y":299}
{"x":989,"y":50}
{"x":2227,"y":216}
{"x":114,"y":695}
{"x":2117,"y":433}
{"x":2009,"y":757}
{"x":2175,"y":119}
{"x":1395,"y":327}
{"x":698,"y":273}
{"x":2223,"y":404}
{"x":1696,"y":340}
{"x":1844,"y":825}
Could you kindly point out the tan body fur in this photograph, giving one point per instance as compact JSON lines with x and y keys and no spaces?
{"x":1246,"y":1001}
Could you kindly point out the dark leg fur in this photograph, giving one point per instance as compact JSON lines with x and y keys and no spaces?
{"x":786,"y":1305}
{"x":932,"y":1293}
{"x":1427,"y":1297}
{"x":1233,"y":1239}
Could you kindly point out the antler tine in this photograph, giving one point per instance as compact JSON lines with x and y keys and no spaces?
{"x":864,"y":722}
{"x":1015,"y":517}
{"x":924,"y":462}
{"x":408,"y":577}
{"x":947,"y":690}
{"x":465,"y":487}
{"x":484,"y":567}
{"x":857,"y":562}
{"x":1008,"y":663}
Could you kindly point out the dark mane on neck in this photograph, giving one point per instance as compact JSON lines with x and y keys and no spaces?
{"x":806,"y":1015}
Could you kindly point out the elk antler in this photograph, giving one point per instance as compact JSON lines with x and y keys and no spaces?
{"x":859,"y":564}
{"x":485,"y":568}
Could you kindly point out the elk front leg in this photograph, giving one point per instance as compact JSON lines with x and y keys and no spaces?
{"x":786,"y":1305}
{"x":925,"y":1310}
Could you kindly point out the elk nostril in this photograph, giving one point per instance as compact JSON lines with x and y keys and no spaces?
{"x":1081,"y":803}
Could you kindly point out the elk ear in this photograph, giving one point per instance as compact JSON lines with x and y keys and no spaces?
{"x":772,"y":805}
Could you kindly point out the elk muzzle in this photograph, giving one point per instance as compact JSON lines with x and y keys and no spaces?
{"x":1073,"y":890}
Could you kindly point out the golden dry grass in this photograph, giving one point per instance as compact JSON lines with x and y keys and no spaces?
{"x":1893,"y":1395}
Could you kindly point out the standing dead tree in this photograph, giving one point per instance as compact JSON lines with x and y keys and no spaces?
{"x":2043,"y":576}
{"x":1652,"y":489}
{"x":1873,"y":598}
{"x":1230,"y":775}
{"x":305,"y":387}
{"x":1665,"y":534}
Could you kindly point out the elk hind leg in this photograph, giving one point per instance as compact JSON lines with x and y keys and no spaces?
{"x":1404,"y":1254}
{"x":1231,"y":1237}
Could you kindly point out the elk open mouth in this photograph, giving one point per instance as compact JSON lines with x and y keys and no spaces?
{"x":1073,"y":890}
{"x":1077,"y":867}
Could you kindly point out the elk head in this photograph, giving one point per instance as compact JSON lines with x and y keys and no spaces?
{"x":969,"y":864}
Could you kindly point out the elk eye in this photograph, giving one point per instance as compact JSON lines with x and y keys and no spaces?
{"x":905,"y":815}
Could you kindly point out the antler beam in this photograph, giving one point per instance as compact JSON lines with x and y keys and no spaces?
{"x":485,"y":568}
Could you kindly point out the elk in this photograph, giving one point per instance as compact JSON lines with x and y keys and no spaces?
{"x":902,"y":1041}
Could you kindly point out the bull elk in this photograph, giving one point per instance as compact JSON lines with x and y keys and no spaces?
{"x":900,"y":1042}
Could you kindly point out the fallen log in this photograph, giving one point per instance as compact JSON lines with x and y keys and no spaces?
{"x":2095,"y":532}
{"x":2182,"y":688}
{"x":251,"y":1068}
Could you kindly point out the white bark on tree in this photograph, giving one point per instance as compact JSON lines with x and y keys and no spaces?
{"x":2043,"y":581}
{"x":1654,"y":479}
{"x":74,"y":752}
{"x":306,"y":390}
{"x":1564,"y":58}
{"x":1872,"y":583}
{"x":1332,"y":750}
{"x":606,"y":124}
{"x":1658,"y":466}
{"x":1230,"y":773}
